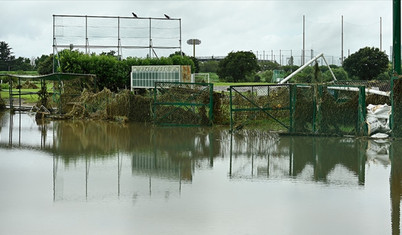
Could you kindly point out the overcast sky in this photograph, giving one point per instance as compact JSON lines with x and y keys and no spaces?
{"x":222,"y":26}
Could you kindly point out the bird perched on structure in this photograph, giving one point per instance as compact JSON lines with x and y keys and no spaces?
{"x":135,"y":16}
{"x":167,"y":17}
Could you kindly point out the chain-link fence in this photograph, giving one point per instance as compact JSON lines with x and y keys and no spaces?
{"x":260,"y":105}
{"x":55,"y":91}
{"x":183,"y":104}
{"x":66,"y":90}
{"x":307,"y":109}
{"x":396,"y":117}
{"x":332,"y":110}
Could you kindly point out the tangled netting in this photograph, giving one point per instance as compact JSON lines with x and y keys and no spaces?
{"x":397,"y":97}
{"x":183,"y":104}
{"x":2,"y":103}
{"x":106,"y":105}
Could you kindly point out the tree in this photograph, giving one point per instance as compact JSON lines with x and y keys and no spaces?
{"x":366,"y":64}
{"x":5,"y":56}
{"x":44,"y":64}
{"x":210,"y":66}
{"x":269,"y":65}
{"x":237,"y":66}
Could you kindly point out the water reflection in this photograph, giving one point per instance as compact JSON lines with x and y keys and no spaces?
{"x":327,"y":160}
{"x":396,"y":186}
{"x":99,"y":160}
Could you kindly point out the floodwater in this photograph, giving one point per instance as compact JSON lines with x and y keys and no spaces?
{"x":83,"y":177}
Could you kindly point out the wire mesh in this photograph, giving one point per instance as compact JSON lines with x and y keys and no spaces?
{"x":306,"y":109}
{"x":67,"y":91}
{"x":260,"y":105}
{"x":183,"y":104}
{"x":330,"y":110}
{"x":396,"y":118}
{"x":159,"y":36}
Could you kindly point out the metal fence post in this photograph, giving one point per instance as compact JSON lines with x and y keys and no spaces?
{"x":361,"y":120}
{"x":318,"y":93}
{"x":391,"y":121}
{"x":155,"y":103}
{"x":230,"y":107}
{"x":211,"y":102}
{"x":292,"y":107}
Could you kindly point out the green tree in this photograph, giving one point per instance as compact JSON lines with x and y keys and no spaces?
{"x":109,"y":70}
{"x":196,"y":64}
{"x":210,"y":66}
{"x":339,"y":73}
{"x":268,"y":65}
{"x":44,"y":64}
{"x":5,"y":56}
{"x":237,"y":66}
{"x":366,"y":64}
{"x":21,"y":63}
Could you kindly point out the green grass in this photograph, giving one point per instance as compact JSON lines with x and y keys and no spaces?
{"x":214,"y":78}
{"x":27,"y":98}
{"x":30,"y":98}
{"x":20,"y":72}
{"x":239,"y":83}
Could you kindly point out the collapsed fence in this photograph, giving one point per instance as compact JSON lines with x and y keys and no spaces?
{"x":337,"y":108}
{"x":183,"y":104}
{"x":325,"y":109}
{"x":54,"y":91}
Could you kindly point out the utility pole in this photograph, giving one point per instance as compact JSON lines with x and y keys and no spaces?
{"x":342,"y":40}
{"x":304,"y":40}
{"x":396,"y":38}
{"x":380,"y":33}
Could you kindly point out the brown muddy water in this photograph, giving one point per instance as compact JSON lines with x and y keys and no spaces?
{"x":88,"y":177}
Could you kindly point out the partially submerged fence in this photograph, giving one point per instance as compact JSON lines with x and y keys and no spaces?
{"x":261,"y":105}
{"x":332,"y":110}
{"x":183,"y":104}
{"x":396,"y":101}
{"x":53,"y":91}
{"x":308,"y":109}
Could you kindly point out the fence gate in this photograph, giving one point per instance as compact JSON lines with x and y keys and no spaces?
{"x":262,"y":105}
{"x":183,"y":104}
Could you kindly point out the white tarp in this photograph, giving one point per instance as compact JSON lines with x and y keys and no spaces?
{"x":378,"y":119}
{"x":378,"y":152}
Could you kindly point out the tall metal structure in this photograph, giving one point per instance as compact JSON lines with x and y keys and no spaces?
{"x":304,"y":41}
{"x":396,"y":38}
{"x":342,"y":40}
{"x":116,"y":33}
{"x":194,"y":42}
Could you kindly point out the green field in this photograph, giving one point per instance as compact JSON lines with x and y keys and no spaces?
{"x":27,"y":98}
{"x":32,"y":73}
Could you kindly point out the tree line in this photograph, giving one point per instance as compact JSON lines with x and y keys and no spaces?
{"x":368,"y":63}
{"x":242,"y":66}
{"x":111,"y":71}
{"x":8,"y":62}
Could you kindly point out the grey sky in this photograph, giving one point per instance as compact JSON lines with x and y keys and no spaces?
{"x":222,"y":26}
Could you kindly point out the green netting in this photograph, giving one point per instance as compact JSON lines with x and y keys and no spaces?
{"x":304,"y":110}
{"x":396,"y":118}
{"x":2,"y":103}
{"x":331,"y":110}
{"x":107,"y":105}
{"x":56,"y":91}
{"x":67,"y":92}
{"x":260,"y":105}
{"x":307,"y":109}
{"x":183,"y":104}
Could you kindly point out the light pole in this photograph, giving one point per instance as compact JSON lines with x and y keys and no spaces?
{"x":194,"y":42}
